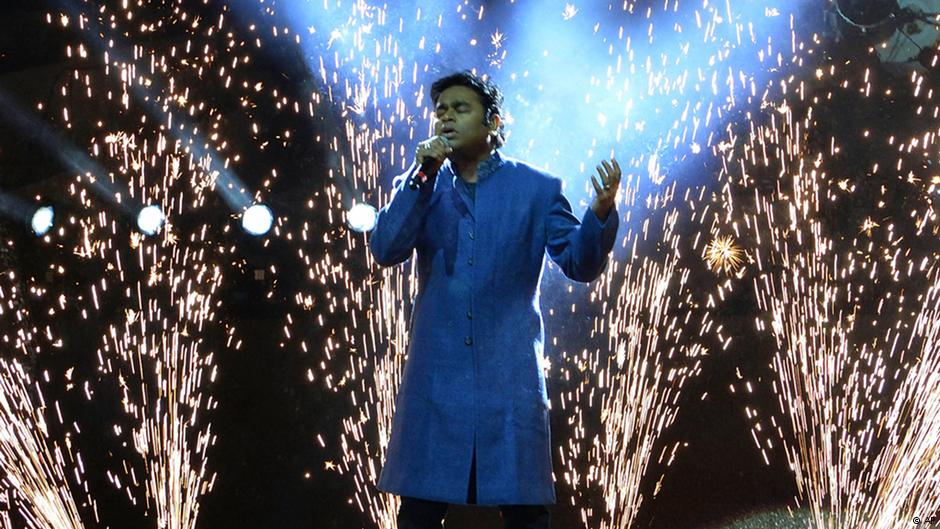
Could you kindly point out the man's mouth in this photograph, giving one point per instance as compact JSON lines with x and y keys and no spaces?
{"x":448,"y":131}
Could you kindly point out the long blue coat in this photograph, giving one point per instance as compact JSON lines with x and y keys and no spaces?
{"x":472,"y":379}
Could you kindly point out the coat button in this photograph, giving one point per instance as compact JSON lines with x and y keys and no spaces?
{"x":470,"y":261}
{"x":469,"y":315}
{"x":471,"y":235}
{"x":468,"y":340}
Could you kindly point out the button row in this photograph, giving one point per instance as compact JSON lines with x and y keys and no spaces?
{"x":469,"y":340}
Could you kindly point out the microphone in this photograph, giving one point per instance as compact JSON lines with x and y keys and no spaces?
{"x":428,"y":169}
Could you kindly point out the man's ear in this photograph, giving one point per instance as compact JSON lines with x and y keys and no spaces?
{"x":494,"y":123}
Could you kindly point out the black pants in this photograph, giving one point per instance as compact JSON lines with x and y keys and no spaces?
{"x":424,"y":514}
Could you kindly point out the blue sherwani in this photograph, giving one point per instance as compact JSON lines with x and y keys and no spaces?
{"x":473,"y":377}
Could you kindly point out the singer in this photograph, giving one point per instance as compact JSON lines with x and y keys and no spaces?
{"x":471,"y":424}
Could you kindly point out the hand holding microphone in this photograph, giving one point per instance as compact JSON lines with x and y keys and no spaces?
{"x":430,"y":155}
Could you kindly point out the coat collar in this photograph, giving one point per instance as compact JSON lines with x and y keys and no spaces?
{"x":486,"y":168}
{"x":458,"y":189}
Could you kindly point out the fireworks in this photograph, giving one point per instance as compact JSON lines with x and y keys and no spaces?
{"x":34,"y":463}
{"x":852,"y":312}
{"x":722,"y":254}
{"x":643,"y":377}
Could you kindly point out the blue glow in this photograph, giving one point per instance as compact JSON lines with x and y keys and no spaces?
{"x":150,"y":97}
{"x":12,"y":111}
{"x":645,"y":86}
{"x":150,"y":220}
{"x":257,"y":220}
{"x":583,"y":82}
{"x":43,"y":220}
{"x":361,"y":218}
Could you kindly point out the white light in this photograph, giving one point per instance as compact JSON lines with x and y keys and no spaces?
{"x":361,"y":218}
{"x":42,"y":220}
{"x":150,"y":220}
{"x":257,"y":219}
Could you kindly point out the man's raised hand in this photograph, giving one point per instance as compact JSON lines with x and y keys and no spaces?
{"x":606,"y":190}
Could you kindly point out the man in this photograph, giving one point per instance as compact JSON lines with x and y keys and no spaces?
{"x":471,"y":424}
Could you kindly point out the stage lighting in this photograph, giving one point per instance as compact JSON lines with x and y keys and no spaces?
{"x":361,"y":218}
{"x":903,"y":36}
{"x":42,"y":221}
{"x":868,"y":15}
{"x":150,"y":220}
{"x":257,"y":219}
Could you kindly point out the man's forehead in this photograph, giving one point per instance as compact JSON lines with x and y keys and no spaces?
{"x":458,"y":94}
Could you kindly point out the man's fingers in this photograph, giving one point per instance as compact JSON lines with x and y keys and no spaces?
{"x":443,"y":143}
{"x":597,"y":187}
{"x":436,"y":148}
{"x":613,"y":170}
{"x":602,"y":173}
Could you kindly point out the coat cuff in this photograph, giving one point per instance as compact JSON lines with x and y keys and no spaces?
{"x":603,"y":232}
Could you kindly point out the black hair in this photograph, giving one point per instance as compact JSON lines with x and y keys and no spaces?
{"x":490,"y":97}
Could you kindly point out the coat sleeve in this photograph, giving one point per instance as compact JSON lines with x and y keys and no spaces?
{"x":580,"y":248}
{"x":399,"y":222}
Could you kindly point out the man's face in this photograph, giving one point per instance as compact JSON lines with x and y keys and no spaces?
{"x":458,"y":116}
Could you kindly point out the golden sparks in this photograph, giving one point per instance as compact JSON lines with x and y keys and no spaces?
{"x":723,"y":254}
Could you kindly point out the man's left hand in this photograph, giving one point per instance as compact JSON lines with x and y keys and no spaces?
{"x":607,"y":188}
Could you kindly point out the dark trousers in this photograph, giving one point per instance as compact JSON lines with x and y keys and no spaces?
{"x":424,"y":514}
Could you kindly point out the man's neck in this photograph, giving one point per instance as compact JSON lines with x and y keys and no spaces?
{"x":466,"y":167}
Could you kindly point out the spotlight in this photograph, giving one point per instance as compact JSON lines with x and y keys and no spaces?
{"x":904,"y":34}
{"x":257,"y":219}
{"x":42,"y":221}
{"x":868,"y":15}
{"x":361,"y":218}
{"x":150,"y":220}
